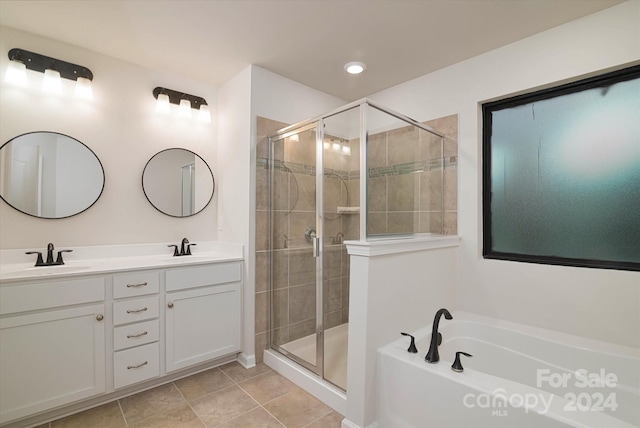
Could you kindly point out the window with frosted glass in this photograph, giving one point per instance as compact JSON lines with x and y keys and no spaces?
{"x":561,"y":174}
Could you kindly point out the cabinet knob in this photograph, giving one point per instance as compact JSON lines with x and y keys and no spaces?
{"x":99,"y":317}
{"x":170,"y":305}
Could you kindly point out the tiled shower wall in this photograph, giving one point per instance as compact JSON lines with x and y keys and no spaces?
{"x":401,"y":201}
{"x":406,"y":193}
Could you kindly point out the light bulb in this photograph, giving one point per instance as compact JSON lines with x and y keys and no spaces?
{"x":162,"y":104}
{"x":355,"y":67}
{"x":205,"y":114}
{"x":184,"y":110}
{"x":84,"y":89}
{"x":52,"y":82}
{"x":16,"y":73}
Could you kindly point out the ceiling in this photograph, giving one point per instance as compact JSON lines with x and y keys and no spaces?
{"x":308,"y":41}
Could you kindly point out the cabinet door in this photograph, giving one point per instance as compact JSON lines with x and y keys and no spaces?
{"x":202,"y":324}
{"x":50,"y":359}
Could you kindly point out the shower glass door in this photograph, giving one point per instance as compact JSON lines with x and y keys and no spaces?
{"x":314,"y":209}
{"x":340,"y":219}
{"x":296,"y":254}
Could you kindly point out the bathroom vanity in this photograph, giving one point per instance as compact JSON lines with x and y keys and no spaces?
{"x":96,"y":329}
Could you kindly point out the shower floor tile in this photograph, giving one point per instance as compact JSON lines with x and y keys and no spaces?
{"x":223,"y":397}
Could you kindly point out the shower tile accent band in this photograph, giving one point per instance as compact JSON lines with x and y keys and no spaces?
{"x":383,"y":171}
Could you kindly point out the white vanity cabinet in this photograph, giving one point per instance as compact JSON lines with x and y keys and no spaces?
{"x":52,"y":344}
{"x":203,"y":313}
{"x":81,"y":338}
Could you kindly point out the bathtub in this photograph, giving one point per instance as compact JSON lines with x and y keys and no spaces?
{"x":519,"y":376}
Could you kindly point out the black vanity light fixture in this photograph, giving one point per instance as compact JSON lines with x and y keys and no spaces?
{"x":53,"y":69}
{"x":185,"y":102}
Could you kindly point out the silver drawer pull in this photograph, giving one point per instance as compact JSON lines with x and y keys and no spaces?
{"x":130,"y":336}
{"x":138,"y":366}
{"x":142,"y":284}
{"x":135,"y":311}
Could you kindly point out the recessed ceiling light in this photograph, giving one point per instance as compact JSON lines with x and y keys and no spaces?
{"x":355,"y":67}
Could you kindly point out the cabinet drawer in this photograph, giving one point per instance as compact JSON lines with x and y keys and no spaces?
{"x":190,"y":277}
{"x":136,"y":364}
{"x":46,"y":295}
{"x":135,"y":334}
{"x":135,"y":284}
{"x":135,"y":310}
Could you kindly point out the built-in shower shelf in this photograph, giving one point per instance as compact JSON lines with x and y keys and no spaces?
{"x":348,"y":210}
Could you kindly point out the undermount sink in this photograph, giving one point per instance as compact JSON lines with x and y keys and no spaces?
{"x":46,"y":270}
{"x":188,"y":259}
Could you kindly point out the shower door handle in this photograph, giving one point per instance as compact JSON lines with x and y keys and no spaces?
{"x":316,"y":247}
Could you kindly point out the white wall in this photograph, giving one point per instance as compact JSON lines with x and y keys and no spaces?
{"x":284,"y":100}
{"x":234,"y":136}
{"x":122,"y":127}
{"x":596,"y":303}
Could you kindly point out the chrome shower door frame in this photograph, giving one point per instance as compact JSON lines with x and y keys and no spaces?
{"x":317,"y":242}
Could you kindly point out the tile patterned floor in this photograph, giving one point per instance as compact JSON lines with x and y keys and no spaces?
{"x":229,"y":396}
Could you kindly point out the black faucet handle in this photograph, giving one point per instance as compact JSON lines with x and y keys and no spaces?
{"x":39,"y":261}
{"x":175,"y":250}
{"x":412,"y":346}
{"x":457,"y":365}
{"x":188,"y":253}
{"x":59,"y":260}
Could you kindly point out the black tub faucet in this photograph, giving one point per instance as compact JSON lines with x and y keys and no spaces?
{"x":436,"y":338}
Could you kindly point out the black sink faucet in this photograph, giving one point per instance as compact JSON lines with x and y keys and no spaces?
{"x":436,"y":338}
{"x":185,"y":241}
{"x":185,"y":248}
{"x":49,"y":261}
{"x":49,"y":253}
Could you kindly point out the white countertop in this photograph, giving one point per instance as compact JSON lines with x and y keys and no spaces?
{"x":15,"y":265}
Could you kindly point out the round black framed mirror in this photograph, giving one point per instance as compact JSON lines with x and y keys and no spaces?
{"x":178,"y":182}
{"x":49,"y":175}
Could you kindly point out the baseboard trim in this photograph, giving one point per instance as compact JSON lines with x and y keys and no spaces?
{"x":247,"y":361}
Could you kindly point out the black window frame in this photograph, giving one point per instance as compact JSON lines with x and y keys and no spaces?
{"x":488,"y":108}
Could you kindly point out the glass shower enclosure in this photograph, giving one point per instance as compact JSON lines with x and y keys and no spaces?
{"x":317,"y":194}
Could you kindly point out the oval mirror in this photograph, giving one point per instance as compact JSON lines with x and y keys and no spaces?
{"x":49,"y":175}
{"x":178,"y":182}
